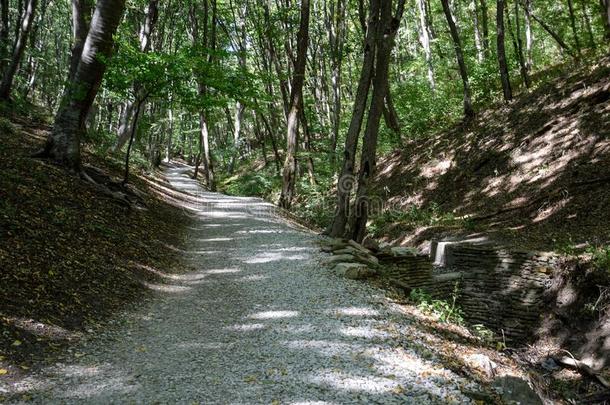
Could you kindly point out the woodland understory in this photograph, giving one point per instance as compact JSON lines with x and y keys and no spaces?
{"x":398,"y":120}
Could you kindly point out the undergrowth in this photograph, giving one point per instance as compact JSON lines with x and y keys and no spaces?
{"x":445,"y":311}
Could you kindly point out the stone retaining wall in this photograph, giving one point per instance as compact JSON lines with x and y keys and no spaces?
{"x":499,"y":288}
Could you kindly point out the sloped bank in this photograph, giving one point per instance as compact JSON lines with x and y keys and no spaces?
{"x":522,"y":296}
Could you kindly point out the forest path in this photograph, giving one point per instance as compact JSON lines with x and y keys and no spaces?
{"x":258,"y":321}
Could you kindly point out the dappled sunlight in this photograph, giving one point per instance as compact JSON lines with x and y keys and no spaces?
{"x":363,"y":332}
{"x":167,"y":288}
{"x":349,"y":382}
{"x":222,"y":271}
{"x":274,"y":315}
{"x":214,"y":239}
{"x":353,"y":311}
{"x":267,"y":257}
{"x":43,"y":330}
{"x":248,"y":327}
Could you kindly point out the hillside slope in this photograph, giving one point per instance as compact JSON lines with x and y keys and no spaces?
{"x":71,"y":257}
{"x":534,"y":173}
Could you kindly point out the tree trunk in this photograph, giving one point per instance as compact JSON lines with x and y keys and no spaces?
{"x":529,"y":38}
{"x":337,"y":30}
{"x":296,"y":101}
{"x":388,"y":26}
{"x":605,"y":12}
{"x":81,"y":14}
{"x":485,"y":24}
{"x":346,"y":179}
{"x":126,"y":118}
{"x":455,"y":36}
{"x":519,"y":48}
{"x":132,"y":136}
{"x":9,"y":75}
{"x":478,"y":37}
{"x":63,"y":145}
{"x":573,"y":26}
{"x":504,"y":76}
{"x":389,"y":113}
{"x":4,"y":32}
{"x":587,"y":22}
{"x":554,"y":35}
{"x":424,"y":38}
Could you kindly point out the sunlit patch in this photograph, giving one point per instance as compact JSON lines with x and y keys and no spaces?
{"x":42,"y":329}
{"x":215,"y":240}
{"x":273,"y":257}
{"x":350,"y":382}
{"x":223,"y":271}
{"x":248,"y":327}
{"x":355,"y":311}
{"x":167,"y":288}
{"x":274,"y":314}
{"x":363,"y":332}
{"x":325,"y":347}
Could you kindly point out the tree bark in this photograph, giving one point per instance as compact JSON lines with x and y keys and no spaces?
{"x":346,"y":179}
{"x":529,"y":37}
{"x":605,"y":13}
{"x":573,"y":26}
{"x":554,"y":35}
{"x":519,"y":48}
{"x":81,"y":16}
{"x":455,"y":36}
{"x":388,"y":26}
{"x":296,"y":101}
{"x":504,"y":76}
{"x":127,"y":116}
{"x":4,"y":32}
{"x":6,"y":86}
{"x":478,"y":37}
{"x":63,"y":145}
{"x":424,"y":38}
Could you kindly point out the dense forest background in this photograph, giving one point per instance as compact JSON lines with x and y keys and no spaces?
{"x":271,"y":98}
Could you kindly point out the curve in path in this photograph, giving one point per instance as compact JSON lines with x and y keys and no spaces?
{"x":259,"y":321}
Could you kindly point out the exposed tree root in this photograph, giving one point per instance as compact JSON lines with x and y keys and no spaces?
{"x":571,"y":362}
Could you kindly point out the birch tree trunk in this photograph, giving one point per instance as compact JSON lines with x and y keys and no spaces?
{"x":424,"y":38}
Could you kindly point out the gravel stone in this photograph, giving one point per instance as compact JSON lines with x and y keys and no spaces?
{"x":261,"y":320}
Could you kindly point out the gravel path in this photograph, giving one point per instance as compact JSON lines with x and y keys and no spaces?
{"x":259,"y":321}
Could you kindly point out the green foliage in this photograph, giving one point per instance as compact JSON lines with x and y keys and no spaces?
{"x":443,"y":310}
{"x":601,"y":257}
{"x":416,"y":216}
{"x":6,"y":126}
{"x":253,"y":184}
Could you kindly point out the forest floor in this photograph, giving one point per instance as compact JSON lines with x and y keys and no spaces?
{"x":70,"y":257}
{"x":258,"y":319}
{"x":533,"y":173}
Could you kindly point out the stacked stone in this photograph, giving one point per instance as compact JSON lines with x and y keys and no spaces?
{"x":407,"y":268}
{"x":502,"y":289}
{"x":350,"y":259}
